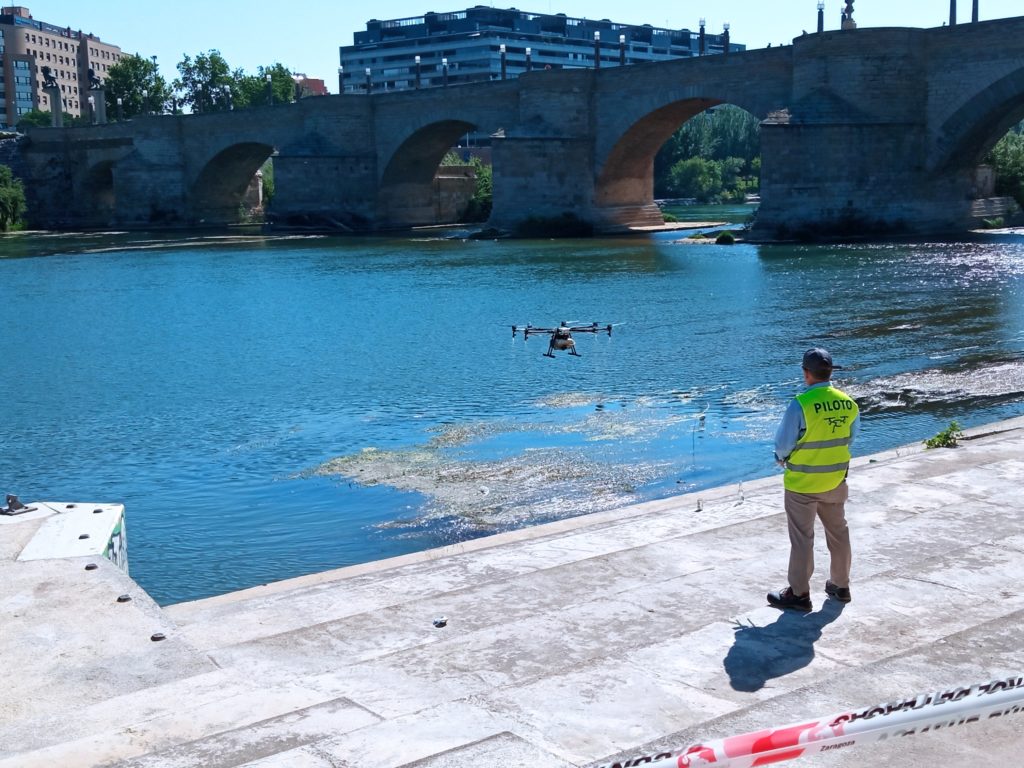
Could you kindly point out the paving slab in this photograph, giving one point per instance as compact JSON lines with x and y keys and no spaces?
{"x":578,"y":643}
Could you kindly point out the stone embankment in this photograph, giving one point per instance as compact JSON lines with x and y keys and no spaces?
{"x":577,"y":643}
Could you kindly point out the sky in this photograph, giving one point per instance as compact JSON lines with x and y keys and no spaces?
{"x":306,"y":37}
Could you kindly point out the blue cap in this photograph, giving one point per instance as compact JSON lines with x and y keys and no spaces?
{"x":819,"y":362}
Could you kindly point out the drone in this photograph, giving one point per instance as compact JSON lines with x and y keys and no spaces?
{"x":561,"y":337}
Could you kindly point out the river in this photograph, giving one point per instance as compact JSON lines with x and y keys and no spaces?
{"x":267,"y":407}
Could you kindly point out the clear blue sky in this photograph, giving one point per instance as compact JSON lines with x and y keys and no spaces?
{"x":306,"y":37}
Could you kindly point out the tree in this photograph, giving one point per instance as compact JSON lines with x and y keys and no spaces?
{"x":696,"y":177}
{"x":252,"y":89}
{"x":268,"y":181}
{"x":137,"y":82}
{"x":717,"y":134}
{"x":40,"y":117}
{"x":12,"y":199}
{"x":44,"y":118}
{"x":479,"y":208}
{"x":1007,"y":158}
{"x":205,"y":81}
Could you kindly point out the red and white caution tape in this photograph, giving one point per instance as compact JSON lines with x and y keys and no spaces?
{"x":926,"y":712}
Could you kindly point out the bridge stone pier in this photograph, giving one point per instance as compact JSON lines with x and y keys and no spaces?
{"x":864,"y":131}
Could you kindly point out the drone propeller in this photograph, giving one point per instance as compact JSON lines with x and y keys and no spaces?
{"x":564,"y":326}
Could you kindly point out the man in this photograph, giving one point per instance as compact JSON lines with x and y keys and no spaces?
{"x":813,"y":444}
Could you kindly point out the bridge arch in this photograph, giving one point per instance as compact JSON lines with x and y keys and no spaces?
{"x":624,"y":182}
{"x":220,"y":186}
{"x":406,"y":195}
{"x":625,"y":179}
{"x":975,"y":128}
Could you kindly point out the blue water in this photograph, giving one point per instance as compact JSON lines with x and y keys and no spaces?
{"x":733,"y":213}
{"x":270,"y":407}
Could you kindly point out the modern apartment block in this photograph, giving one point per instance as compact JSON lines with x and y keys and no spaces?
{"x":28,"y":45}
{"x":484,"y":43}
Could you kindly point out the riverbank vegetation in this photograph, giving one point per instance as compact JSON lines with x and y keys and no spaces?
{"x":713,"y":158}
{"x":12,"y":200}
{"x":1007,"y":158}
{"x":479,"y":208}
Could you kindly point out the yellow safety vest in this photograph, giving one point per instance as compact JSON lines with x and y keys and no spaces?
{"x":821,"y":458}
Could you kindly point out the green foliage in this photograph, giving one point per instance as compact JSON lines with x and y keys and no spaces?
{"x":202,"y":81}
{"x":252,"y":91}
{"x":452,"y":158}
{"x":40,"y":117}
{"x":479,"y":208}
{"x":131,"y":78}
{"x":947,"y":438}
{"x":996,"y":223}
{"x":725,"y":238}
{"x":669,"y":218}
{"x":696,"y":177}
{"x":44,"y":119}
{"x":268,"y":181}
{"x":1007,"y":158}
{"x":12,"y":200}
{"x":727,"y":143}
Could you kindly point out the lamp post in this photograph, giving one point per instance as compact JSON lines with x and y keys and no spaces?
{"x":145,"y":101}
{"x":120,"y":109}
{"x":725,"y":39}
{"x":597,"y":49}
{"x":821,"y":16}
{"x":529,"y":59}
{"x":974,"y":12}
{"x":226,"y":90}
{"x":341,"y":80}
{"x":92,"y":110}
{"x":418,"y":70}
{"x":702,"y":38}
{"x":622,"y":50}
{"x":444,"y":71}
{"x":504,"y":64}
{"x":369,"y":81}
{"x":270,"y":89}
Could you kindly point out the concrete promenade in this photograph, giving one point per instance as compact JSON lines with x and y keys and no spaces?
{"x":571,"y":644}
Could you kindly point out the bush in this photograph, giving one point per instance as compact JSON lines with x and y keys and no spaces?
{"x":947,"y":438}
{"x":669,"y":218}
{"x":725,"y":238}
{"x":12,"y":200}
{"x":479,"y":208}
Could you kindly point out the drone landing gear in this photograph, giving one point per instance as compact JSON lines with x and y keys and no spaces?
{"x":571,"y":350}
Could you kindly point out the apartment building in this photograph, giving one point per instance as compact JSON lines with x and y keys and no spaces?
{"x":485,"y":43}
{"x":27,"y":45}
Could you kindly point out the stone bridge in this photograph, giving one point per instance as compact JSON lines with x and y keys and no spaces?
{"x":867,"y":130}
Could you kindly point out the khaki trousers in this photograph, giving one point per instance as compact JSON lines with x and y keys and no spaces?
{"x":801,"y":509}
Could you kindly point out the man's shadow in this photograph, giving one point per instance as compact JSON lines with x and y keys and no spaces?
{"x":759,"y":654}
